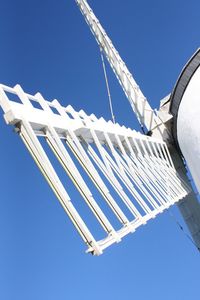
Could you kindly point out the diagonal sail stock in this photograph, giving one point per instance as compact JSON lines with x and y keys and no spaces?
{"x":141,"y":107}
{"x":123,"y":177}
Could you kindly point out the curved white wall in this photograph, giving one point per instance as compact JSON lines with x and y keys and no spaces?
{"x":188,"y":126}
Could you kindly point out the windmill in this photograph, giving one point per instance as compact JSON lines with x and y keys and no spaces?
{"x":138,"y":176}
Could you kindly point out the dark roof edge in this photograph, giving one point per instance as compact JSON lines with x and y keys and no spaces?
{"x":180,"y":87}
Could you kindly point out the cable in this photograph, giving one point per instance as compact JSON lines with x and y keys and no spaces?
{"x":109,"y":95}
{"x":182,"y":229}
{"x":107,"y":85}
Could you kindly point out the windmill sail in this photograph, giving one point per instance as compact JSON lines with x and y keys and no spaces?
{"x":134,"y":174}
{"x":124,"y":178}
{"x":161,"y":127}
{"x":137,"y":100}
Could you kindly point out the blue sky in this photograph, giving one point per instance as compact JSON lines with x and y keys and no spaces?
{"x":46,"y":46}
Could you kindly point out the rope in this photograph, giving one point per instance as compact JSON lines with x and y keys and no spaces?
{"x":107,"y":86}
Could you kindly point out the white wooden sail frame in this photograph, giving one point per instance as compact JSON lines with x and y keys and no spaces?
{"x":137,"y":168}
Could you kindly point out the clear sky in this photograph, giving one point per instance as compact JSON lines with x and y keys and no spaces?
{"x":46,"y":46}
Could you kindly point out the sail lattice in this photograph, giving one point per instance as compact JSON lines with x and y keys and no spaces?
{"x":124,"y":177}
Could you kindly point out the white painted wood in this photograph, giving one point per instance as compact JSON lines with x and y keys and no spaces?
{"x":132,"y":173}
{"x":141,"y":107}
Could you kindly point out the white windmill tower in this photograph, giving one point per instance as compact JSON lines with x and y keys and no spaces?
{"x":137,"y":176}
